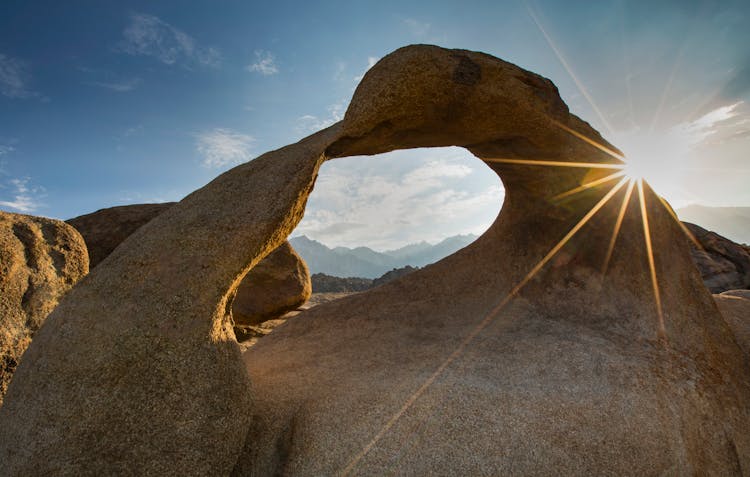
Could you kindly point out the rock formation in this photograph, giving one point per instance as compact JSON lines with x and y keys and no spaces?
{"x":40,"y":260}
{"x":519,"y":354}
{"x":105,"y":229}
{"x":278,"y":284}
{"x":723,"y":264}
{"x":735,"y":307}
{"x":322,"y":283}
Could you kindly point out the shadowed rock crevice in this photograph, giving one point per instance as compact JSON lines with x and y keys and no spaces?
{"x":453,"y":369}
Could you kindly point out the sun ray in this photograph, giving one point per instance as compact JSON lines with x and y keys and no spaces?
{"x":588,"y":140}
{"x":626,"y":60}
{"x":682,"y":226}
{"x":532,"y":162}
{"x":478,"y":329}
{"x":589,"y":185}
{"x":651,"y":264}
{"x":568,"y":69}
{"x":668,"y":85}
{"x":618,"y":224}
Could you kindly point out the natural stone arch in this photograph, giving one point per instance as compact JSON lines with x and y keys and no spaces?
{"x":137,"y":363}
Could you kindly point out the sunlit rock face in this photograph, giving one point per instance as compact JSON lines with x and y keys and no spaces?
{"x":278,"y":284}
{"x":543,"y":347}
{"x":105,"y":229}
{"x":40,"y":260}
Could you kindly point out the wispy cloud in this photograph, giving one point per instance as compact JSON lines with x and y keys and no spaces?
{"x":339,"y":70}
{"x":5,"y":149}
{"x":222,"y":147}
{"x":265,"y":63}
{"x":148,"y":35}
{"x":417,"y":28}
{"x":401,"y":197}
{"x":310,"y":123}
{"x":714,"y":123}
{"x":25,"y":197}
{"x":121,"y":86}
{"x":371,"y":60}
{"x":14,"y":77}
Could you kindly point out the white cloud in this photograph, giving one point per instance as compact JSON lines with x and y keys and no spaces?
{"x":709,"y":124}
{"x":121,"y":86}
{"x":148,"y":35}
{"x":371,"y":60}
{"x":339,"y":70}
{"x":25,"y":197}
{"x":392,"y":199}
{"x":13,"y":78}
{"x":309,"y":123}
{"x":417,"y":28}
{"x":265,"y":63}
{"x":5,"y":149}
{"x":222,"y":147}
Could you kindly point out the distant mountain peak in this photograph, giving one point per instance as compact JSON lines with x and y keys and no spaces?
{"x":368,"y":263}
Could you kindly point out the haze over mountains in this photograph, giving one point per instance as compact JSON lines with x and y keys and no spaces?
{"x":364,"y":262}
{"x":367,"y":263}
{"x":731,"y":222}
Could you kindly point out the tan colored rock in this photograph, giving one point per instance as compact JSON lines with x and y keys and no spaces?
{"x":737,"y":293}
{"x":105,"y":229}
{"x":278,"y":284}
{"x":453,"y":369}
{"x":723,"y":264}
{"x":735,"y":307}
{"x":40,"y":259}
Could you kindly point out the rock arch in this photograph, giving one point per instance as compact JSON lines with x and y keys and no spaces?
{"x":136,"y":371}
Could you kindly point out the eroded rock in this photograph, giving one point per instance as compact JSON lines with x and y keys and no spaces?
{"x":495,"y":360}
{"x":723,"y":264}
{"x":40,"y":260}
{"x":735,"y":307}
{"x":278,"y":284}
{"x":105,"y":229}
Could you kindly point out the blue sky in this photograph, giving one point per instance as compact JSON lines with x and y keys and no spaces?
{"x":107,"y":103}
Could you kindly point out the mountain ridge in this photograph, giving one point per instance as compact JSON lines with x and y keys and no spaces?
{"x":365,"y":262}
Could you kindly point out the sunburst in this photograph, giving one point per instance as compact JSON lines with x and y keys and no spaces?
{"x":625,"y":179}
{"x":631,"y":174}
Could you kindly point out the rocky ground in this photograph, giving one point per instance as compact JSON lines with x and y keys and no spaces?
{"x":247,"y":336}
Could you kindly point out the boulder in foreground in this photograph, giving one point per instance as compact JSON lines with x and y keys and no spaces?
{"x":40,"y":260}
{"x":278,"y":284}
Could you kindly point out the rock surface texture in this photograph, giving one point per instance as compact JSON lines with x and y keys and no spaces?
{"x":105,"y":229}
{"x":735,"y":307}
{"x":520,"y":354}
{"x":40,"y":260}
{"x":723,"y":264}
{"x":278,"y":284}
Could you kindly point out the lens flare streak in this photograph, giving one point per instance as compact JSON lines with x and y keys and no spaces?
{"x":589,"y":141}
{"x":532,"y":162}
{"x":589,"y":185}
{"x":618,"y":224}
{"x":651,"y":264}
{"x":479,"y":328}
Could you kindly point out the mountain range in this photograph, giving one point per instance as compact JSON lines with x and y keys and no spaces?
{"x":731,"y":222}
{"x":367,"y":263}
